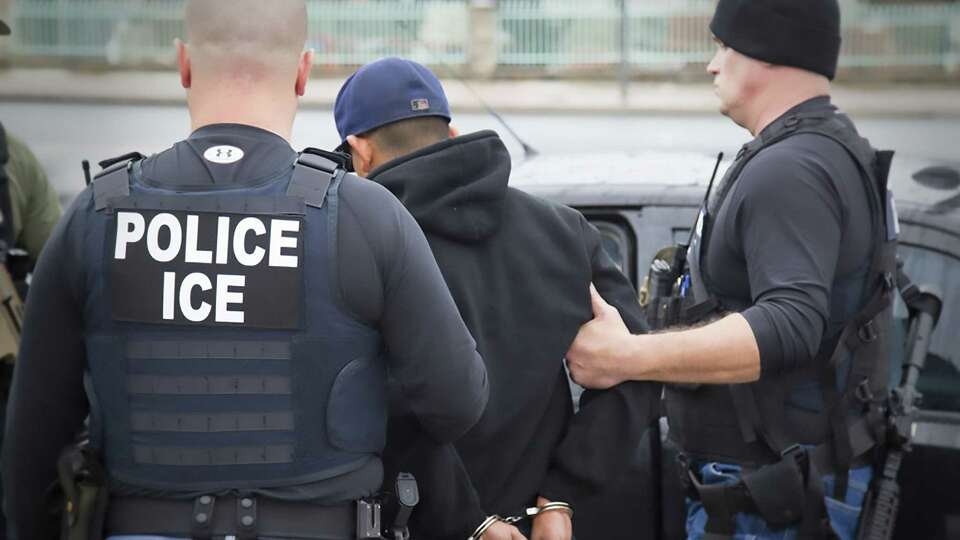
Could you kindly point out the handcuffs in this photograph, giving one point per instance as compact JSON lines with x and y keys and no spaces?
{"x":531,"y":512}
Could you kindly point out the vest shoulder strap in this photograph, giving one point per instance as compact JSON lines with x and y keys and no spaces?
{"x":312,"y":176}
{"x":114,"y":181}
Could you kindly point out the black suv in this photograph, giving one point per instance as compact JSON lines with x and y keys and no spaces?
{"x":643,"y":202}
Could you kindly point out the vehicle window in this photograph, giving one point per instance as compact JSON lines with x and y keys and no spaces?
{"x":940,"y":380}
{"x":614,"y":243}
{"x":618,"y":242}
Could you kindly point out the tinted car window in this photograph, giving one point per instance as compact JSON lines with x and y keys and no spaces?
{"x":614,"y":241}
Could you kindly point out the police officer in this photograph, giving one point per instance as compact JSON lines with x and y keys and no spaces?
{"x":789,"y":277}
{"x":29,"y":209}
{"x":224,"y":308}
{"x":29,"y":204}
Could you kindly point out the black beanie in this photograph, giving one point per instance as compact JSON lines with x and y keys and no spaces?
{"x":798,"y":33}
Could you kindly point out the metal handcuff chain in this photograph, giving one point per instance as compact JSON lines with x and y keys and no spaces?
{"x":531,"y":512}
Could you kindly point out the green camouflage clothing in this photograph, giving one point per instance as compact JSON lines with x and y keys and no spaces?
{"x":36,"y":210}
{"x":35,"y":206}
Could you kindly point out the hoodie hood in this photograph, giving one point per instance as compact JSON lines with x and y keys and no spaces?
{"x":454,"y":188}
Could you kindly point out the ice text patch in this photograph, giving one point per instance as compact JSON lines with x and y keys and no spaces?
{"x":207,"y":269}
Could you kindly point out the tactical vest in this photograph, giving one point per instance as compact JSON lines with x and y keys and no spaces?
{"x":219,"y":353}
{"x":752,"y":424}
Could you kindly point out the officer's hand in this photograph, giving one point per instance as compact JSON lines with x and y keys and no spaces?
{"x":503,"y":531}
{"x":593,"y":357}
{"x":553,"y":525}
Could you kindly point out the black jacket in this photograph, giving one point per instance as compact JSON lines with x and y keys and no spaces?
{"x":519,"y":269}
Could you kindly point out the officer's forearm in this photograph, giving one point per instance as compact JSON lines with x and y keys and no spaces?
{"x":722,"y":352}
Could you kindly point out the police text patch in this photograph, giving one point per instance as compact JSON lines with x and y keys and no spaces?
{"x":181,"y":267}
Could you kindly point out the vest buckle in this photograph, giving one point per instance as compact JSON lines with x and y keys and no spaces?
{"x":868,"y":332}
{"x":889,"y":282}
{"x":791,"y":122}
{"x":790,"y":451}
{"x":863,"y":392}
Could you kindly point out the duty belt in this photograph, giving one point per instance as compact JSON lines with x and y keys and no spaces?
{"x":243,"y":517}
{"x":779,"y":492}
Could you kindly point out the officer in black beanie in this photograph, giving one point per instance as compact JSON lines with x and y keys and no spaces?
{"x":786,"y":287}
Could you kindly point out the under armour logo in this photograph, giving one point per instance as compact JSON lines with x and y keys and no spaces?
{"x":223,"y":154}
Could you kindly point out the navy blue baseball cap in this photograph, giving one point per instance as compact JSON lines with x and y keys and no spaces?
{"x":386,"y":91}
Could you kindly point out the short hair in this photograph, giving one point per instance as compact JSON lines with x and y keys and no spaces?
{"x":409,"y":135}
{"x":246,"y":36}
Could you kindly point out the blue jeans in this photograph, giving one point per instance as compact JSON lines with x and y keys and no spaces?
{"x":844,"y":515}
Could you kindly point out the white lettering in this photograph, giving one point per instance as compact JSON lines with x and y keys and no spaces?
{"x":192,"y":254}
{"x":130,"y":228}
{"x":226,"y":297}
{"x":245,"y":226}
{"x":223,"y":239}
{"x":153,"y":238}
{"x":169,"y":291}
{"x":278,"y":241}
{"x":190,"y":282}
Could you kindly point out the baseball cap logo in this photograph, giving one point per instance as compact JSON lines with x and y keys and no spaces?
{"x":420,"y":104}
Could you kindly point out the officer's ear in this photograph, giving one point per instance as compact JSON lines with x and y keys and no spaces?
{"x":361,"y":149}
{"x":303,"y":71}
{"x":183,"y":62}
{"x":454,"y":132}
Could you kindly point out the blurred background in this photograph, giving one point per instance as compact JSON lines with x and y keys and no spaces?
{"x":883,"y":39}
{"x":96,"y":78}
{"x":607,"y":91}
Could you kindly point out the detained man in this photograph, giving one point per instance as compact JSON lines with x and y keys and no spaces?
{"x":518,"y":267}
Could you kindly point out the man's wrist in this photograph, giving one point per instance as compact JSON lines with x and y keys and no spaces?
{"x":546,"y":506}
{"x":631,"y":359}
{"x":485,"y":526}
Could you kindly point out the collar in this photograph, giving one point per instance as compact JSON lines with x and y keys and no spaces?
{"x":262,"y":155}
{"x":815,"y":104}
{"x":237,"y":130}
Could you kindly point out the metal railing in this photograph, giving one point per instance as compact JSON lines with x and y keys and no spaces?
{"x":666,"y":34}
{"x":550,"y":35}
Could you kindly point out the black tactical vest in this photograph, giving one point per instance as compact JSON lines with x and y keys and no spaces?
{"x":752,"y":424}
{"x":219,"y":354}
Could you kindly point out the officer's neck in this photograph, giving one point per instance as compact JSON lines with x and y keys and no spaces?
{"x":263,"y":110}
{"x":781,"y":96}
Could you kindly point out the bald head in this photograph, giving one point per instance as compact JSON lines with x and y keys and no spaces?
{"x":246,"y":38}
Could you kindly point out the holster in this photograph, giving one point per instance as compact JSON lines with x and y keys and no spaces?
{"x":83,"y":480}
{"x":399,"y":505}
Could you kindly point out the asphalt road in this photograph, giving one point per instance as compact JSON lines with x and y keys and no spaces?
{"x":62,"y":134}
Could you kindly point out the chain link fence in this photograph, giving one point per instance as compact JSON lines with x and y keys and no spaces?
{"x":553,"y":37}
